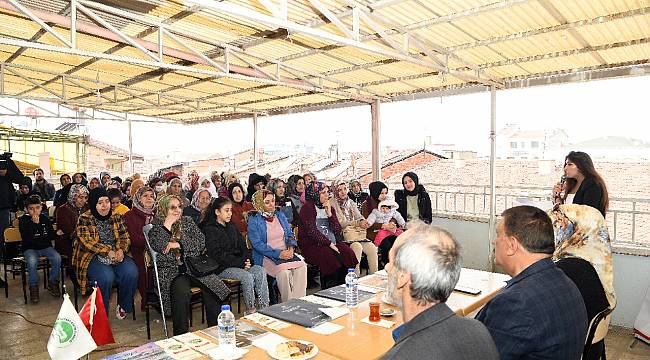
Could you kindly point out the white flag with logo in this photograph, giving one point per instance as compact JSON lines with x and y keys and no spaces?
{"x":69,"y":339}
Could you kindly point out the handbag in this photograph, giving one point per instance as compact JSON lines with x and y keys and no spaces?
{"x":202,"y":265}
{"x":354,"y":233}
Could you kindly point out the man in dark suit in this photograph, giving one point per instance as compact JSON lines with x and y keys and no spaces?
{"x":540,"y":313}
{"x":424,"y":267}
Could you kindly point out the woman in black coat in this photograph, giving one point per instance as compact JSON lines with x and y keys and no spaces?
{"x":583,"y":186}
{"x":226,"y":244}
{"x":413,"y":196}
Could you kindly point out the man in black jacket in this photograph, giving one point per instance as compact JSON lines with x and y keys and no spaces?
{"x":42,"y":187}
{"x":9,"y":175}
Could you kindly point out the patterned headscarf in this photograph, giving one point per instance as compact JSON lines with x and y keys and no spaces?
{"x":273,"y":186}
{"x":135,"y":185}
{"x":75,"y":191}
{"x":163,"y":209}
{"x":192,"y":181}
{"x":258,"y":203}
{"x":169,"y":186}
{"x":312,"y":192}
{"x":581,"y":231}
{"x":137,"y":202}
{"x":195,"y":198}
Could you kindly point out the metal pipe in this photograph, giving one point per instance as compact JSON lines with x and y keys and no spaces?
{"x":255,"y":150}
{"x":376,"y":143}
{"x":493,"y":150}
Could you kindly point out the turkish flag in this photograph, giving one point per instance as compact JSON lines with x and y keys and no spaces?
{"x":93,"y":315}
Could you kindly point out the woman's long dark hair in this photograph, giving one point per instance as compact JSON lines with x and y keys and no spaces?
{"x":583,"y":162}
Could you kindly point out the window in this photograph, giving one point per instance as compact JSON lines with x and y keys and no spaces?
{"x":513,"y":145}
{"x":534,"y":144}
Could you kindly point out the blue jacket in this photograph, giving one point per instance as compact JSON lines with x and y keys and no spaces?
{"x":540,"y":314}
{"x":257,"y":237}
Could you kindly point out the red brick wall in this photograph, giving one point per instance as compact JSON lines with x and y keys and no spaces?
{"x":400,"y":167}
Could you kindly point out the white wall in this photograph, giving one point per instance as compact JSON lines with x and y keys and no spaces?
{"x":631,"y":281}
{"x":631,"y":272}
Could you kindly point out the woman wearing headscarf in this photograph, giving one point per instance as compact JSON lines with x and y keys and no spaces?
{"x":141,"y":214}
{"x":282,"y":202}
{"x":175,"y":238}
{"x":354,"y":227}
{"x":175,"y":187}
{"x":413,"y":201}
{"x":100,"y":253}
{"x":79,"y":178}
{"x":158,"y":187}
{"x":24,"y":192}
{"x":199,"y":205}
{"x":228,"y":179}
{"x":59,"y":197}
{"x":356,"y":194}
{"x":191,"y":184}
{"x":320,"y":237}
{"x":94,"y":183}
{"x":583,"y":251}
{"x":240,"y":207}
{"x":127,"y":199}
{"x":255,"y":182}
{"x":206,"y":183}
{"x":295,"y":191}
{"x":273,"y":247}
{"x":226,"y":245}
{"x":104,"y":178}
{"x":378,"y":192}
{"x":66,"y":218}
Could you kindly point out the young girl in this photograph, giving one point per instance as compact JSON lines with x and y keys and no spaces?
{"x":226,"y":244}
{"x":385,"y":213}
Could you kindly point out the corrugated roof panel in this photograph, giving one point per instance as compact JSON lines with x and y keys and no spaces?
{"x":616,"y":31}
{"x":626,"y":54}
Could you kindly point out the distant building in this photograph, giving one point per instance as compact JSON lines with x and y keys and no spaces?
{"x":514,"y":143}
{"x":101,"y":156}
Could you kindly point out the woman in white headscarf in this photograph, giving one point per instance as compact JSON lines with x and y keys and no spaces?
{"x":206,"y":183}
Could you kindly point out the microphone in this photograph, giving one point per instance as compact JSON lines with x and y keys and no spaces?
{"x":562,"y":179}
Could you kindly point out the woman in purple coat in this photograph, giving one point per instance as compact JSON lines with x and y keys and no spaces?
{"x":321,"y":238}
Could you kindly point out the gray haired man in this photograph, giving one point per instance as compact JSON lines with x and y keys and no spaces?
{"x":424,"y":267}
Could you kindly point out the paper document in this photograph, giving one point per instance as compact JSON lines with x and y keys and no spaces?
{"x":336,"y":312}
{"x":268,"y":341}
{"x":327,"y":328}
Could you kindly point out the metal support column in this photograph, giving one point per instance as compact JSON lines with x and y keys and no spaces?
{"x":128,"y":120}
{"x":376,"y":137}
{"x":255,"y":149}
{"x":493,"y":196}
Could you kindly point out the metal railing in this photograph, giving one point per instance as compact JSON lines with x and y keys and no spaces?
{"x":628,"y":219}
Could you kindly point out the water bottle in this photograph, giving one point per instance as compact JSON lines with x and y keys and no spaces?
{"x":351,"y":289}
{"x":226,"y":323}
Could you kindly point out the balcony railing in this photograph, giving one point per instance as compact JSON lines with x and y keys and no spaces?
{"x":628,"y":219}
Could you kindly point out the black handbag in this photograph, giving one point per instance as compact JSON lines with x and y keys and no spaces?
{"x":202,"y":265}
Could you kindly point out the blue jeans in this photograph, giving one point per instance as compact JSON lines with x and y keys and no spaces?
{"x":126,"y":275}
{"x":31,"y":259}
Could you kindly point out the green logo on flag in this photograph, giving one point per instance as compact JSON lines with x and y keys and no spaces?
{"x":65,"y":332}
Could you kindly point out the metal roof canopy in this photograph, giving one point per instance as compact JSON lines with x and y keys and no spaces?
{"x":200,"y":61}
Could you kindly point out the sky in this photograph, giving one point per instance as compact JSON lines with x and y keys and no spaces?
{"x":585,"y":110}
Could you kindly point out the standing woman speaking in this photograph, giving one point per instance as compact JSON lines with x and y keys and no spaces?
{"x":583,"y":186}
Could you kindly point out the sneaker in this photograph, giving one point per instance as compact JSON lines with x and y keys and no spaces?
{"x":54,"y":289}
{"x":120,"y":314}
{"x":33,"y":294}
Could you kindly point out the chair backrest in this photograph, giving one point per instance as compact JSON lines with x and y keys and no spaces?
{"x":15,"y":222}
{"x":12,"y":234}
{"x":50,"y":211}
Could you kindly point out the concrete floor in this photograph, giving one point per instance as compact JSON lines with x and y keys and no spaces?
{"x":21,"y":339}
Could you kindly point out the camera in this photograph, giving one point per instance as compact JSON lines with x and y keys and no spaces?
{"x":6,"y":155}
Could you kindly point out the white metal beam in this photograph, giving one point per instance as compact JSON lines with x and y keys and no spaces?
{"x":25,"y":11}
{"x":333,"y":19}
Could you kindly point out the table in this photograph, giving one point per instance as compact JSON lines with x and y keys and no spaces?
{"x":358,"y":340}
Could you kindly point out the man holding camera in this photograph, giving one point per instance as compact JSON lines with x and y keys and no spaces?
{"x":42,"y":187}
{"x":9,"y":175}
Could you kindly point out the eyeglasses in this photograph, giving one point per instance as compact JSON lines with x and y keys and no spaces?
{"x":174,"y":207}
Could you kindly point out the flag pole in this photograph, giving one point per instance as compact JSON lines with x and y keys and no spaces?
{"x":92,"y":313}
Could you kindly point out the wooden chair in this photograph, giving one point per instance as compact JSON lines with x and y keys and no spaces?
{"x":15,"y":222}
